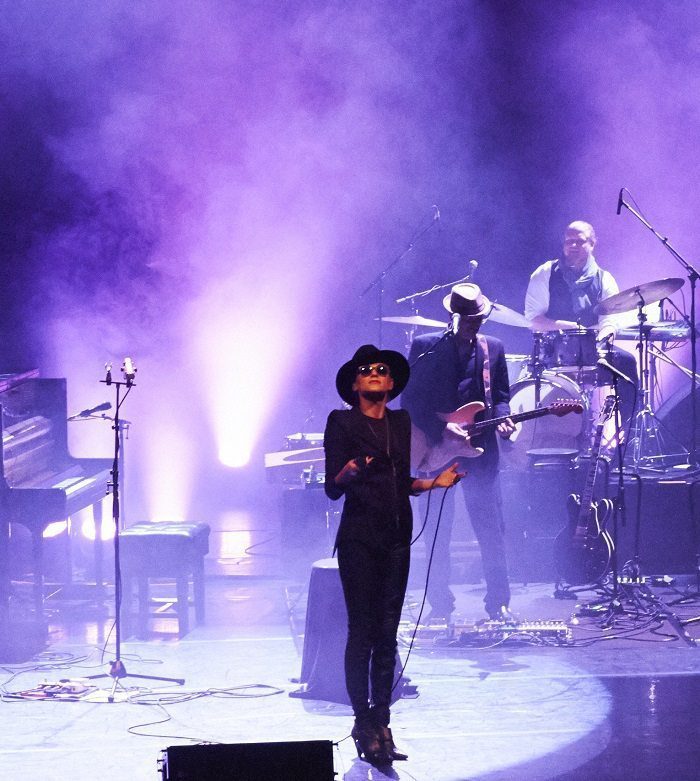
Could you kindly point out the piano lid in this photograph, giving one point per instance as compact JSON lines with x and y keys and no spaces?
{"x":8,"y":381}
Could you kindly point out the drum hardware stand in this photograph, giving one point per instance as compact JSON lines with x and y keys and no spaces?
{"x":536,"y":366}
{"x":378,"y":281}
{"x":117,"y":670}
{"x":693,"y":277}
{"x":649,"y":449}
{"x":657,"y":354}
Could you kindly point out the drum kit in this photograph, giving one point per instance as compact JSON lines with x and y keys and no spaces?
{"x":564,"y":365}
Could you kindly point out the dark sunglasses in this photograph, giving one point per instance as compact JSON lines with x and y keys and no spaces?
{"x":381,"y":369}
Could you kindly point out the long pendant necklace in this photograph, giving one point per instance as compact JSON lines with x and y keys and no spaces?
{"x":385,"y":432}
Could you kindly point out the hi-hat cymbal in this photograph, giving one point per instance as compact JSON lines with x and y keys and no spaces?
{"x":501,"y":314}
{"x":646,"y":293}
{"x":415,"y":320}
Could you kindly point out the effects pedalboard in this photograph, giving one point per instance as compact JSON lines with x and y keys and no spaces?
{"x":486,"y":632}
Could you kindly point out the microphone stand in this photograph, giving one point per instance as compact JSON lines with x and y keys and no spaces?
{"x":693,"y":277}
{"x":422,"y":293}
{"x":619,"y":505}
{"x":122,"y":425}
{"x":117,"y":670}
{"x":433,"y":289}
{"x":378,"y":281}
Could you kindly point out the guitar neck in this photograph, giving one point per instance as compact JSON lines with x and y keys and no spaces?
{"x":475,"y":428}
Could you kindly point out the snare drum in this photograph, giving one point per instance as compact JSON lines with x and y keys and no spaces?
{"x":570,"y":350}
{"x":548,"y":431}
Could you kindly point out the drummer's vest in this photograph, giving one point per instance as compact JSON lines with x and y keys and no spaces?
{"x":562,"y":301}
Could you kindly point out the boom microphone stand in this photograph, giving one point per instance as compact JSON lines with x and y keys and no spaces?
{"x":378,"y":281}
{"x":117,"y":670}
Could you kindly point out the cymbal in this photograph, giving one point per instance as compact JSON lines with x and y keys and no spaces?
{"x":630,"y":299}
{"x":501,"y":314}
{"x":416,"y":320}
{"x":659,"y":331}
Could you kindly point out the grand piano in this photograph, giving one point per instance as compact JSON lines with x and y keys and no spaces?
{"x":40,"y":482}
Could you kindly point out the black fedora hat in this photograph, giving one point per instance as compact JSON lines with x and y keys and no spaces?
{"x":364,"y":356}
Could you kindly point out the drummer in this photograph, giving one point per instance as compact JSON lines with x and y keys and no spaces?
{"x":562,"y":295}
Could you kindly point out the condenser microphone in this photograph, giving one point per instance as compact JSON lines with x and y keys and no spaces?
{"x":619,"y":200}
{"x":454,"y":322}
{"x":129,"y":371}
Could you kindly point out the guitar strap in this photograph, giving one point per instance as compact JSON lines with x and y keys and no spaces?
{"x":483,"y":346}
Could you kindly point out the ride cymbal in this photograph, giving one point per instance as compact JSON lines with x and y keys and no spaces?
{"x":646,"y":293}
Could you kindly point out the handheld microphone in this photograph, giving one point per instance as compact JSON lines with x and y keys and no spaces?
{"x":619,"y":200}
{"x":108,"y":369}
{"x":473,"y":266}
{"x":454,"y":322}
{"x":436,"y":215}
{"x":620,"y":375}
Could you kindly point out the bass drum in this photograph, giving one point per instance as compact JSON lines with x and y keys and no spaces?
{"x":548,"y":431}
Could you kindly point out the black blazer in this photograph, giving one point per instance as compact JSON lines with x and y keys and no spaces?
{"x":435,"y":387}
{"x":377,"y":509}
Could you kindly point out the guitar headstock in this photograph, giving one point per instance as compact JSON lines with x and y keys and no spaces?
{"x":563,"y":407}
{"x":608,"y":407}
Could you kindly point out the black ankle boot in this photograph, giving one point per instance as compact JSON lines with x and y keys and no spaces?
{"x":387,"y":741}
{"x":369,"y":745}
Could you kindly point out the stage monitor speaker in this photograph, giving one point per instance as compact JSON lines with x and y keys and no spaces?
{"x":311,"y":759}
{"x":676,"y":414}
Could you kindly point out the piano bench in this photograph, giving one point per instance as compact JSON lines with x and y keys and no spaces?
{"x":163,"y":550}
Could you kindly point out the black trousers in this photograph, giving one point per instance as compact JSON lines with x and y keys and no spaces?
{"x":482,"y":496}
{"x":374,"y":585}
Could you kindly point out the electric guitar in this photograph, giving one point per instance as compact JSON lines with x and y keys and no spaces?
{"x":456,"y":442}
{"x":582,"y":549}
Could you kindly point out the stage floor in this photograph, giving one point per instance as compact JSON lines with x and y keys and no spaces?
{"x":621,"y":702}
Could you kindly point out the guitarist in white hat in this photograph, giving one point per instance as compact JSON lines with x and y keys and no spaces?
{"x":447,"y":372}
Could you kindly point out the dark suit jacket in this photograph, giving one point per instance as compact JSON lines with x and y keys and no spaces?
{"x":377,"y":509}
{"x":437,"y":385}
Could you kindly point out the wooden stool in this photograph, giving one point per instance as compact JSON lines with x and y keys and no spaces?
{"x":163,"y":550}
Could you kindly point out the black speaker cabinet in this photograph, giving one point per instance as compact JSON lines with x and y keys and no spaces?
{"x":295,"y":761}
{"x":667,"y":538}
{"x":535,"y":511}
